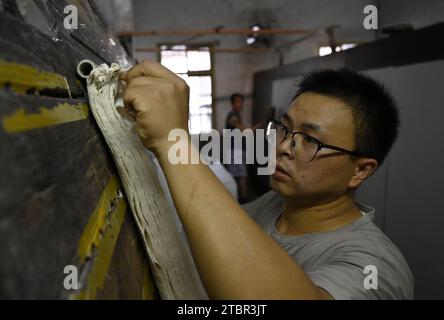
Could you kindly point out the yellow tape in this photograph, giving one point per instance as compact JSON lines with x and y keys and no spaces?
{"x":21,"y":78}
{"x":97,"y":221}
{"x":21,"y":121}
{"x":101,"y":233}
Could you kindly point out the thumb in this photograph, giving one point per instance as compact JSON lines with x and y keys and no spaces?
{"x":123,"y":75}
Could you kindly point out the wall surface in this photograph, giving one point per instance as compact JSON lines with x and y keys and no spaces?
{"x":413,"y":213}
{"x":419,"y":13}
{"x":60,"y":204}
{"x":234,"y":71}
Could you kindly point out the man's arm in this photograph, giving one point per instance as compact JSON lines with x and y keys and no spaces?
{"x":235,"y":257}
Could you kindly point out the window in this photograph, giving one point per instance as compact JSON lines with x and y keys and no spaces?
{"x":194,"y":65}
{"x":323,"y":51}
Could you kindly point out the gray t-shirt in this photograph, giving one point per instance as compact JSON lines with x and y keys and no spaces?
{"x":335,"y":261}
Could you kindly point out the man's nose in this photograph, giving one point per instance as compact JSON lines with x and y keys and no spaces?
{"x":284,"y":147}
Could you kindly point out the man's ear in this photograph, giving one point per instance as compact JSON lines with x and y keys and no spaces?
{"x":364,"y":168}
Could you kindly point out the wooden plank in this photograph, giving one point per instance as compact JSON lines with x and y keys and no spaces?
{"x":55,"y":167}
{"x":51,"y":181}
{"x":28,"y":46}
{"x":91,"y":34}
{"x":22,"y":113}
{"x":99,"y":238}
{"x":20,"y":120}
{"x":22,"y":78}
{"x":61,"y":53}
{"x":129,"y":275}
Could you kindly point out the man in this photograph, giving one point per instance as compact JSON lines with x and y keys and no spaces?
{"x":234,"y":121}
{"x":307,"y":239}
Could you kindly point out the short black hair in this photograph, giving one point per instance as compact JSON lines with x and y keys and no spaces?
{"x":374,"y":109}
{"x":236,"y":95}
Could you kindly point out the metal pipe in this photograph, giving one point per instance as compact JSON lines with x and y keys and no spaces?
{"x":84,"y":68}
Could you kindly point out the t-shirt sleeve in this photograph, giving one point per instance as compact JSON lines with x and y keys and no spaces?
{"x":256,"y":207}
{"x":363,"y":272}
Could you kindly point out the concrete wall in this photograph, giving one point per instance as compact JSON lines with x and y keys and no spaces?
{"x":231,"y":69}
{"x":234,"y":71}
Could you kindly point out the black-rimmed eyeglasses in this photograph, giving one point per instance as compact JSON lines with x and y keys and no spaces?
{"x":304,"y":147}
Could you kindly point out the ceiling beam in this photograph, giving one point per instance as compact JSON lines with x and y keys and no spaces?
{"x":218,"y":31}
{"x":216,"y":50}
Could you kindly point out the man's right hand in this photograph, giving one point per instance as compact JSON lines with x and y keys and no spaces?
{"x":158,"y":100}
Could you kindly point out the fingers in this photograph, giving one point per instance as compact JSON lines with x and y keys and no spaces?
{"x":148,"y":69}
{"x":129,"y":99}
{"x":144,"y":81}
{"x":149,"y":85}
{"x":135,"y":99}
{"x":130,"y":111}
{"x":135,"y":89}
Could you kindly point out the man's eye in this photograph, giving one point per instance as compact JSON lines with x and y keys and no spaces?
{"x":309,"y":139}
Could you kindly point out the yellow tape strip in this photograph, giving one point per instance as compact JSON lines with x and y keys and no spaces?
{"x":97,"y":221}
{"x":21,"y":121}
{"x":101,"y":233}
{"x":22,"y":77}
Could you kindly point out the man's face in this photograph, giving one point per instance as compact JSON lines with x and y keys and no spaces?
{"x":328,"y":175}
{"x":238,"y":103}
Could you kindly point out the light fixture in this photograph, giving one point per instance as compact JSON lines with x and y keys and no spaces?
{"x":255,"y":39}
